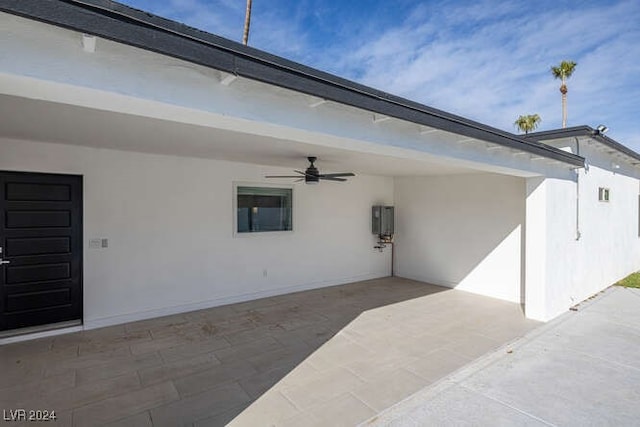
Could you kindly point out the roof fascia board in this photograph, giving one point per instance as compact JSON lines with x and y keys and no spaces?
{"x":588,"y":131}
{"x":560,"y":133}
{"x":136,"y":28}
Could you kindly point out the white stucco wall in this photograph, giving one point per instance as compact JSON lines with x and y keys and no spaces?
{"x":169,"y":221}
{"x":462,"y":231}
{"x":608,"y":248}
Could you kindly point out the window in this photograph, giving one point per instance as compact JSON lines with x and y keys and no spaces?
{"x":603,"y":194}
{"x":261,"y":209}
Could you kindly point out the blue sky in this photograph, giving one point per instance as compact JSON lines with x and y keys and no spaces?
{"x":487,"y":60}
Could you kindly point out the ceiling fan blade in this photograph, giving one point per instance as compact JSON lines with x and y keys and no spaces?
{"x":335,"y":175}
{"x":315,"y":176}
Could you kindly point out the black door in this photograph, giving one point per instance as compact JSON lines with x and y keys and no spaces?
{"x":41,"y":242}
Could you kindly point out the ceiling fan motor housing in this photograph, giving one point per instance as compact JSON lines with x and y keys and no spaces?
{"x":311,"y":174}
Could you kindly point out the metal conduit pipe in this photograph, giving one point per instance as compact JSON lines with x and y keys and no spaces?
{"x":578,"y":234}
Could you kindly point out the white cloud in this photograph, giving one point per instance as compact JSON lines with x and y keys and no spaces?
{"x":492,"y":64}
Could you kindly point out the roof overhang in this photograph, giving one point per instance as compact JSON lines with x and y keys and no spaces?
{"x":611,"y":145}
{"x":136,"y":28}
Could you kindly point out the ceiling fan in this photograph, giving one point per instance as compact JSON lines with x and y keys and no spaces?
{"x":312,"y":175}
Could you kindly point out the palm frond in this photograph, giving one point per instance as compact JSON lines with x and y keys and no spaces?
{"x":527,"y":123}
{"x":564,"y":70}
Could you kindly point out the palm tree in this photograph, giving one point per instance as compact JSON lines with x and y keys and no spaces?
{"x":563,"y":72}
{"x":247,"y":23}
{"x":527,"y":123}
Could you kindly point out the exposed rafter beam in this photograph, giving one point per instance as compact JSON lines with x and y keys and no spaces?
{"x":316,"y":102}
{"x":227,"y":78}
{"x":88,"y":43}
{"x":424,"y":130}
{"x":465,"y":140}
{"x":379,"y":118}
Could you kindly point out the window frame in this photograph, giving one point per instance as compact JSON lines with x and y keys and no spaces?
{"x":604,"y":194}
{"x":254,"y":234}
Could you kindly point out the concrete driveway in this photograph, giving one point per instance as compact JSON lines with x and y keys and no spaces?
{"x":583,"y":369}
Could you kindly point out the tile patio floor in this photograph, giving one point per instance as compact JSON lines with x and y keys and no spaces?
{"x":332,"y":356}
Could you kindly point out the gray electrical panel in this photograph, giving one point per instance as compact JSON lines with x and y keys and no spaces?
{"x":382,"y":220}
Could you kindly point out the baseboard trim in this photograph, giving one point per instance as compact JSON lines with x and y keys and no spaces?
{"x":216,"y":302}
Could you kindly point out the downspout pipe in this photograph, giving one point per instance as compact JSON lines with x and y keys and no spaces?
{"x":578,"y":234}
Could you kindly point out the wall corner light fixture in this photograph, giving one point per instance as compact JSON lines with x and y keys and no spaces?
{"x":601,"y":130}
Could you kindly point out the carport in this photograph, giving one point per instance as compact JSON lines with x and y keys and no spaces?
{"x":161,"y":129}
{"x":157,"y":125}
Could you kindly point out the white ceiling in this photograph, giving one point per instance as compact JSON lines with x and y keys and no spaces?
{"x":62,"y":123}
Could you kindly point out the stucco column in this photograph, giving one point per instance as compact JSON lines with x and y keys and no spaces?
{"x":536,"y":249}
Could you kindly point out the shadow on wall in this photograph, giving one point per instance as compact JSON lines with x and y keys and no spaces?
{"x":463,"y":231}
